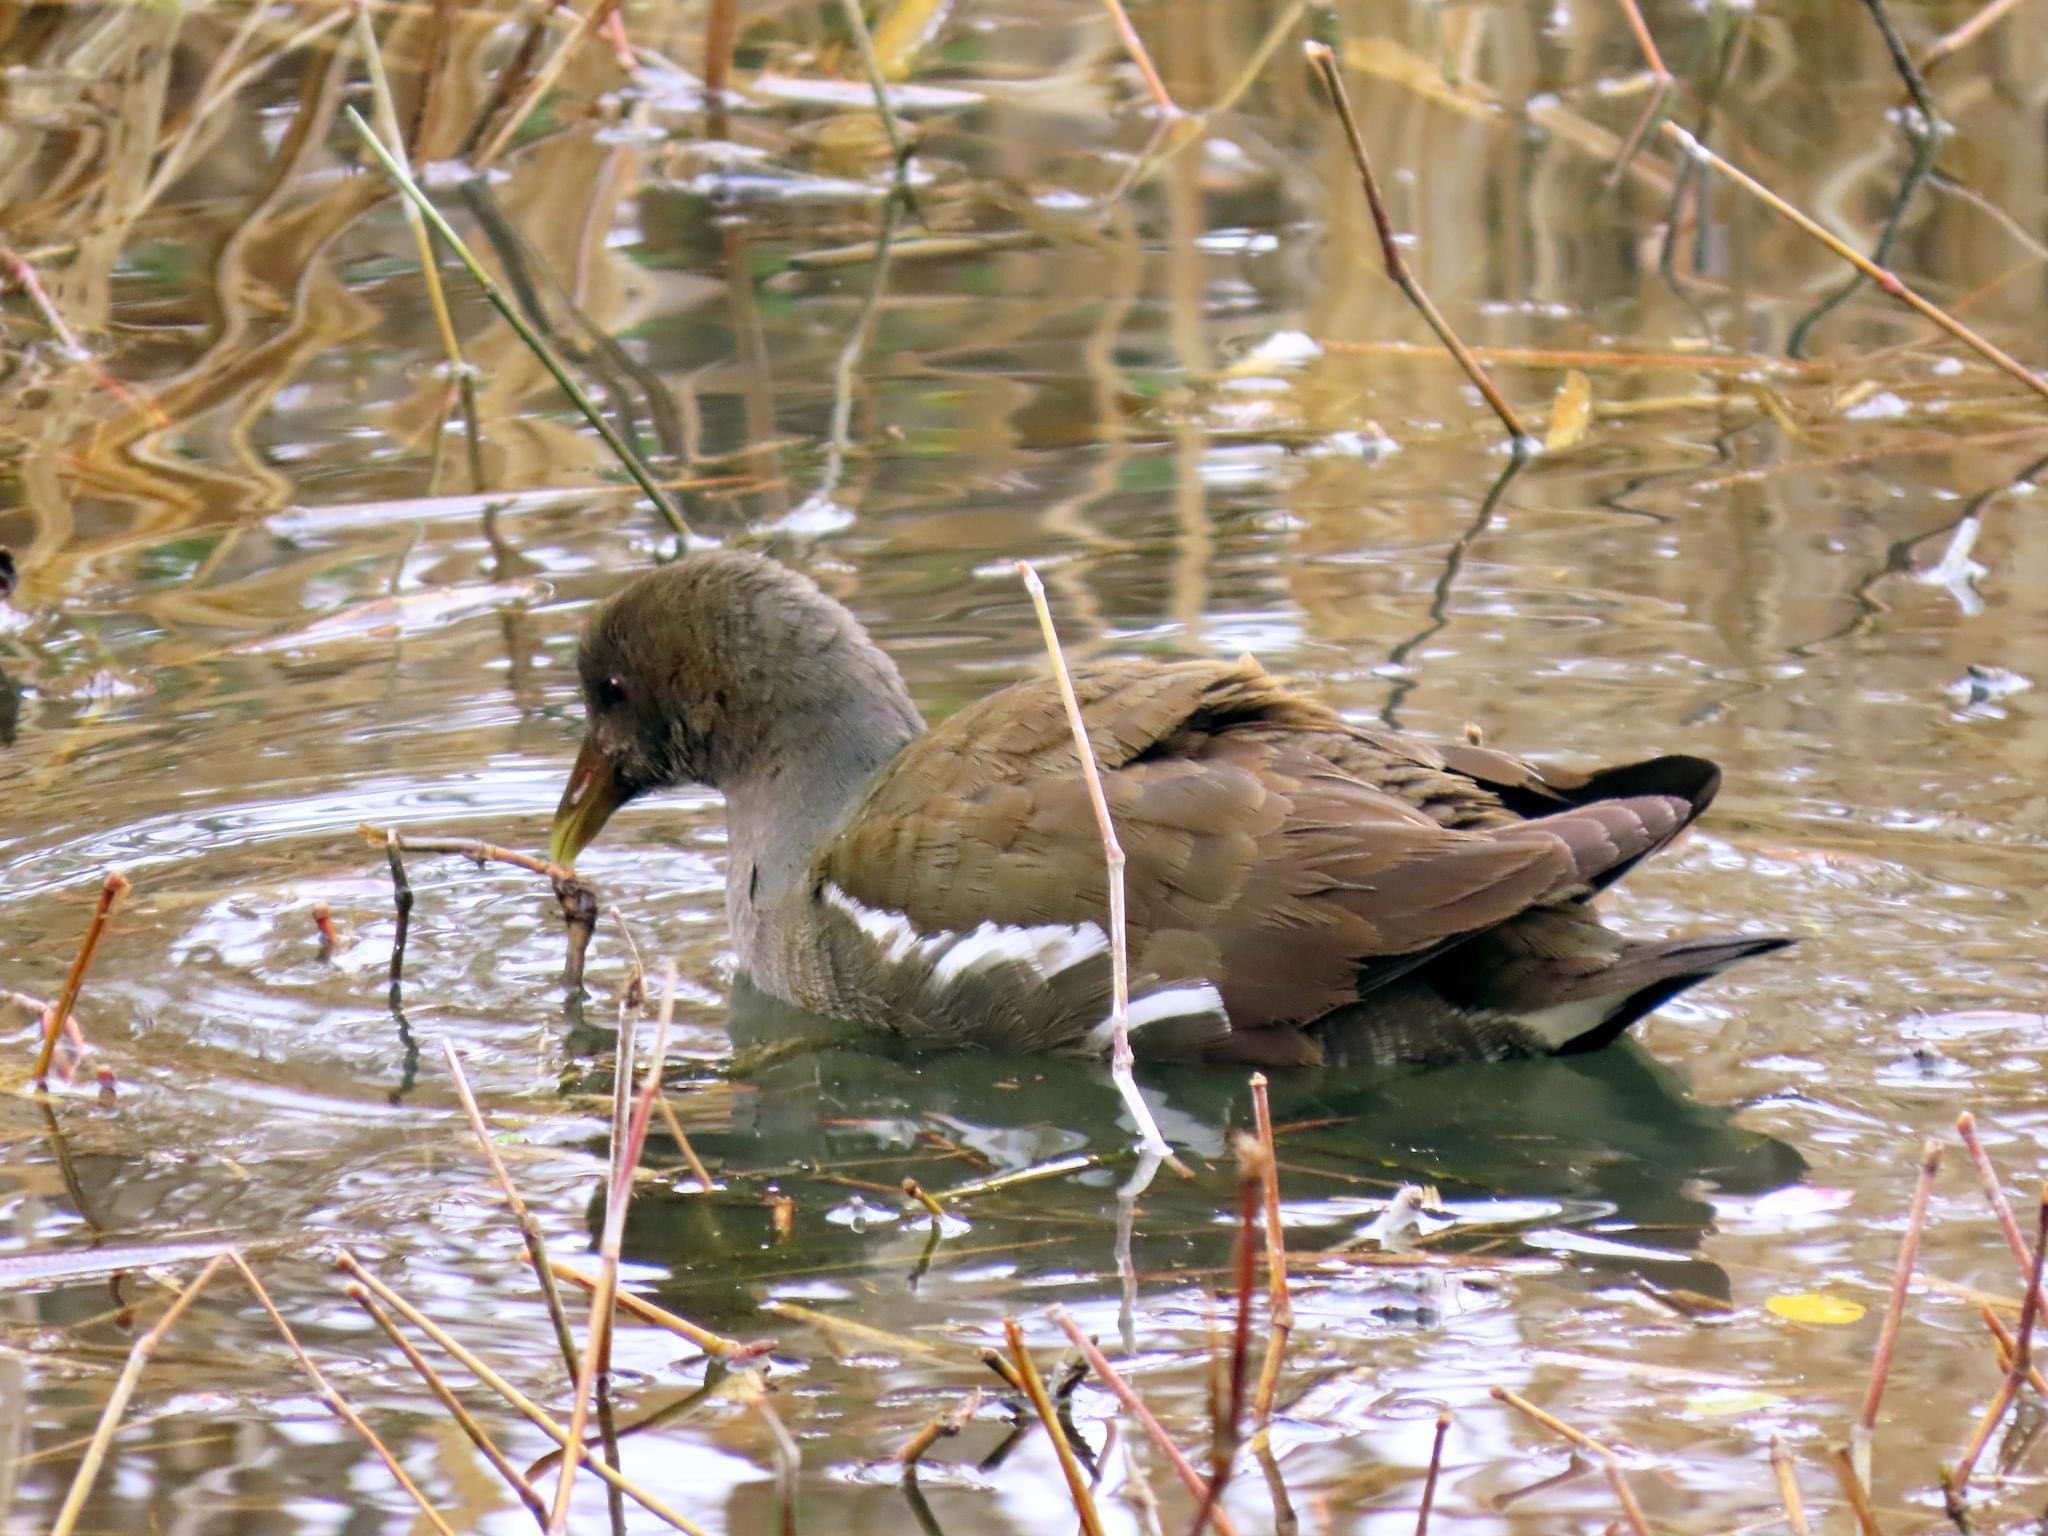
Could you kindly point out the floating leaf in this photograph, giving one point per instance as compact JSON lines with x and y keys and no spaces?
{"x":1570,"y":413}
{"x":1815,"y":1307}
{"x":1724,"y":1402}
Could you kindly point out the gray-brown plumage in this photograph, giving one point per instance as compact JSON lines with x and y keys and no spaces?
{"x":1301,"y":889}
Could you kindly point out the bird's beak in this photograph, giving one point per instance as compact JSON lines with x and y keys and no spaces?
{"x":594,"y":792}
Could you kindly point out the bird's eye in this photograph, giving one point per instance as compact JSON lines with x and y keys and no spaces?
{"x":610,"y":693}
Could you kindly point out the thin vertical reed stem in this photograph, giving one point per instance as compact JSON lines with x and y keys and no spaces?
{"x":1120,"y":1057}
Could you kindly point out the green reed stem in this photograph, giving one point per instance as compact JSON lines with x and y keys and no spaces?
{"x":620,"y":448}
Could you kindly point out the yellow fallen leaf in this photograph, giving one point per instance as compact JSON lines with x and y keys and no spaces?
{"x":1722,"y":1402}
{"x":1570,"y":413}
{"x":1815,"y":1307}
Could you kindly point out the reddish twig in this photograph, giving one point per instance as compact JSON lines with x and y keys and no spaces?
{"x":1136,"y":1406}
{"x":111,"y":891}
{"x":1436,"y":1461}
{"x":1134,"y":45}
{"x":1902,"y":1276}
{"x":1325,"y":62}
{"x":1852,"y":1491}
{"x":2021,"y":1355}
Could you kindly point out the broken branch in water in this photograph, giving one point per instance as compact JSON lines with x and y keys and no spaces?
{"x":941,"y":1427}
{"x":577,"y":896}
{"x":1325,"y":62}
{"x":112,"y":890}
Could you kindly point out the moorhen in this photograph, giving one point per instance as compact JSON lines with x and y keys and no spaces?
{"x":1302,"y":890}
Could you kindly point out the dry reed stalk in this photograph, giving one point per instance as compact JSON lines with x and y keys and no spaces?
{"x":621,"y":450}
{"x":1881,"y":276}
{"x":1325,"y":62}
{"x":1852,"y":1491}
{"x":2007,"y":1347}
{"x":1134,"y":45}
{"x":117,"y":1401}
{"x":1949,"y":43}
{"x":1041,"y":1403}
{"x":717,"y":1345}
{"x":603,"y":1296}
{"x":1630,"y":1509}
{"x":1895,"y":1308}
{"x":1788,"y":1489}
{"x":334,"y":1402}
{"x":1550,"y":1422}
{"x":2021,"y":1357}
{"x":941,"y":1426}
{"x":690,"y":1158}
{"x":422,"y":1367}
{"x":1436,"y":1461}
{"x":1280,"y":1306}
{"x":522,"y":1217}
{"x":542,"y":80}
{"x":1739,"y":364}
{"x":1120,"y":1057}
{"x":112,"y":889}
{"x":533,"y":1412}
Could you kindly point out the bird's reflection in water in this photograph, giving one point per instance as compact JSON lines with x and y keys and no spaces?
{"x":1599,"y":1160}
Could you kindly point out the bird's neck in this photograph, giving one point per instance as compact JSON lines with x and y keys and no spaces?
{"x":795,"y":799}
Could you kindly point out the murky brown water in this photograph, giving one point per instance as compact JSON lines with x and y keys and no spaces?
{"x":267,"y":602}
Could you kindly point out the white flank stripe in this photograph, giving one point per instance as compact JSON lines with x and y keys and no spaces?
{"x":891,"y":931}
{"x":1182,"y":1002}
{"x":1048,"y":949}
